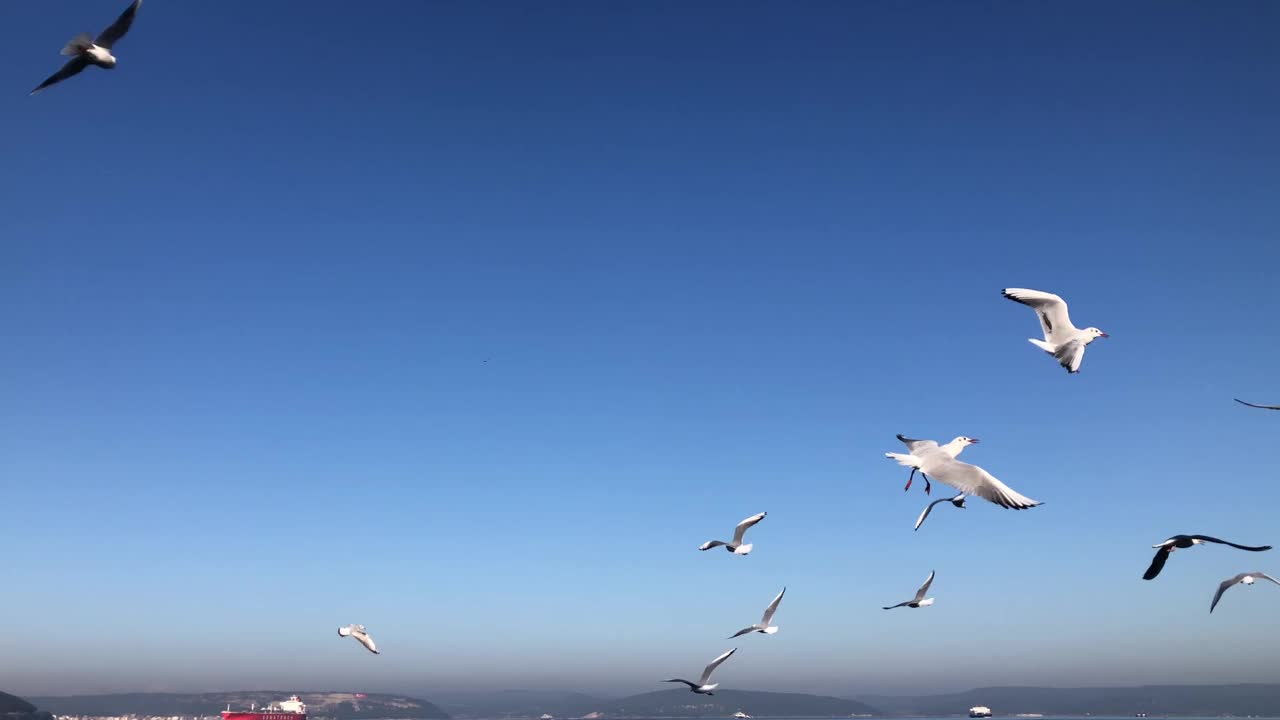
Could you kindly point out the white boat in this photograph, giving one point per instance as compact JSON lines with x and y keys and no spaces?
{"x":741,"y":716}
{"x":979,"y":711}
{"x":545,"y":716}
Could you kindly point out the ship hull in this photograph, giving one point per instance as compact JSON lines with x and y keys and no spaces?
{"x":251,"y":715}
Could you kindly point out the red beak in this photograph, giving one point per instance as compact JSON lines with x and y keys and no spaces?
{"x":1104,"y":335}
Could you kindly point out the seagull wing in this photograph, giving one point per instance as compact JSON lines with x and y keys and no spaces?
{"x":682,"y":680}
{"x":743,"y":526}
{"x":706,"y":673}
{"x":711,"y":544}
{"x":1070,"y":355}
{"x":743,"y":631}
{"x":973,"y":480}
{"x":365,"y":640}
{"x":924,"y":589}
{"x":1265,"y":576}
{"x":1157,"y":563}
{"x":913,"y":445}
{"x":1260,"y":407}
{"x":345,"y":631}
{"x":773,"y":608}
{"x":1250,"y":548}
{"x":928,"y":509}
{"x":72,"y":67}
{"x":901,"y":604}
{"x":1223,"y":588}
{"x":1051,"y":309}
{"x":112,"y":34}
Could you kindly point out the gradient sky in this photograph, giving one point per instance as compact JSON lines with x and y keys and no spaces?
{"x":470,"y":321}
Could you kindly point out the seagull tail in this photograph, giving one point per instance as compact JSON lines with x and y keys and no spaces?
{"x":77,"y":45}
{"x":904,"y":459}
{"x":1042,"y":345}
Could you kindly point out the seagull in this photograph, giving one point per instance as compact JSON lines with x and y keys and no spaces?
{"x":701,"y":687}
{"x":357,"y":632}
{"x":958,"y":501}
{"x":763,"y":626}
{"x":1185,"y":541}
{"x":919,"y":600}
{"x":735,"y":546}
{"x":85,"y":51}
{"x":1064,"y":341}
{"x":968,"y":479}
{"x":1260,"y":407}
{"x":953,"y":448}
{"x":1245,"y":578}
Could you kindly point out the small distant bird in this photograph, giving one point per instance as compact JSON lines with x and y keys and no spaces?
{"x":958,"y":501}
{"x":85,"y":51}
{"x":1064,"y":341}
{"x":763,"y":626}
{"x":735,"y":546}
{"x":1166,"y":548}
{"x":919,"y":600}
{"x":701,"y":687}
{"x":1241,"y":579}
{"x":915,"y":447}
{"x":968,"y":479}
{"x":358,"y":632}
{"x":1260,"y":407}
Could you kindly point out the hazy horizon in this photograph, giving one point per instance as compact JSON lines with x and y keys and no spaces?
{"x":470,"y":321}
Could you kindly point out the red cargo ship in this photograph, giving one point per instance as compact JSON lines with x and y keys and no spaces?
{"x":291,"y":709}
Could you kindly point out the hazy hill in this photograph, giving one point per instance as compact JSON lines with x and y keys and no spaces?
{"x":342,"y":706}
{"x":517,"y":703}
{"x":14,"y":704}
{"x":1198,"y":700}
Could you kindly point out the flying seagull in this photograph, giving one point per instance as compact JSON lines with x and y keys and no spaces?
{"x":358,"y":632}
{"x":1176,"y":542}
{"x":735,"y":546}
{"x":1064,"y":341}
{"x":968,"y":479}
{"x":958,"y":501}
{"x":1242,"y":578}
{"x":953,"y":448}
{"x":701,"y":687}
{"x":85,"y":51}
{"x":1260,"y":407}
{"x":919,"y":600}
{"x":763,"y":626}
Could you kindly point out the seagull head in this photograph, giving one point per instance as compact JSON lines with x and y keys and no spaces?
{"x":959,"y":501}
{"x":1094,"y":333}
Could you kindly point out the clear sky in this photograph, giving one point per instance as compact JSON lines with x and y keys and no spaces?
{"x":470,"y":321}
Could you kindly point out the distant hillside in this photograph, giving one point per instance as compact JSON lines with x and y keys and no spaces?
{"x":494,"y":705}
{"x":1189,"y":700}
{"x":340,"y":706}
{"x":14,"y":704}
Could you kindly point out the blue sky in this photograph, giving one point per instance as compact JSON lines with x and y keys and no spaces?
{"x":470,"y":321}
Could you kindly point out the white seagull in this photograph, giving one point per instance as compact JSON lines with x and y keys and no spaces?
{"x":735,"y":546}
{"x":953,"y":448}
{"x":968,"y":479}
{"x":1064,"y":341}
{"x":919,"y":600}
{"x":763,"y":626}
{"x":1242,"y":578}
{"x":1260,"y":407}
{"x":86,"y":51}
{"x":958,"y":501}
{"x":358,"y":632}
{"x":701,"y":687}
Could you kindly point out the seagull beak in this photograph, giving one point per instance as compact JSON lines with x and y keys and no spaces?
{"x":1103,"y":335}
{"x":974,"y":440}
